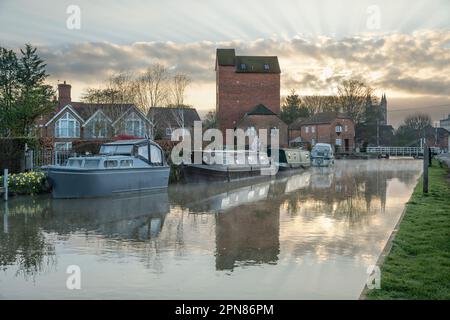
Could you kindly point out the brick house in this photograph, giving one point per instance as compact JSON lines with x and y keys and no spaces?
{"x":438,"y":137}
{"x":243,"y":83}
{"x":73,"y":121}
{"x":334,"y":128}
{"x":262,"y":117}
{"x":167,"y":119}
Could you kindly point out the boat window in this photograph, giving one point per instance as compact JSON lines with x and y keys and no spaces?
{"x":111,"y":149}
{"x":126,"y":163}
{"x":143,"y":151}
{"x":155,"y":155}
{"x":74,"y":163}
{"x":111,"y":163}
{"x":91,"y":163}
{"x":124,"y":149}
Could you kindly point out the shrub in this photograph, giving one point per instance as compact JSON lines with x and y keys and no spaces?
{"x":32,"y":182}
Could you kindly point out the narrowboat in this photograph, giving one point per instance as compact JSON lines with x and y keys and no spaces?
{"x":227,"y":165}
{"x":293,"y":159}
{"x":322,"y":155}
{"x":121,"y":166}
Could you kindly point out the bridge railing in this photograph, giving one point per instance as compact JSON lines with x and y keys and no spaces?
{"x":401,"y":151}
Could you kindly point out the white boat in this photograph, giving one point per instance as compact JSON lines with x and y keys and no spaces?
{"x":322,"y":155}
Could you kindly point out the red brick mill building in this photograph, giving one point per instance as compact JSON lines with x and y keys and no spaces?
{"x":248,"y":93}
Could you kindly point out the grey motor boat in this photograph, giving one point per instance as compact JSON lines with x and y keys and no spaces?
{"x":121,"y":166}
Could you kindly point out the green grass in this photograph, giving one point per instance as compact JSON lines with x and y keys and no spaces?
{"x":418,"y":266}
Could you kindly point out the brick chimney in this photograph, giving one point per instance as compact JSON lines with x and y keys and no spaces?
{"x":64,"y":95}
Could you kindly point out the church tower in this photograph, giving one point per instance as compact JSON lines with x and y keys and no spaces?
{"x":383,"y":107}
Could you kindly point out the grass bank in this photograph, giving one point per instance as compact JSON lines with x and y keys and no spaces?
{"x":418,"y":265}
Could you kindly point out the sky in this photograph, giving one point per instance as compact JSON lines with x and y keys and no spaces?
{"x":401,"y":47}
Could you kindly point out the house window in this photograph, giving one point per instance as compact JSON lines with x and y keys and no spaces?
{"x":306,"y":129}
{"x":243,"y":66}
{"x":63,"y":146}
{"x":266,"y":67}
{"x":134,"y":125}
{"x":168,"y":131}
{"x":346,"y":128}
{"x":338,"y":128}
{"x":273,"y":131}
{"x":313,"y":129}
{"x":97,"y":127}
{"x":339,"y":142}
{"x":67,"y":127}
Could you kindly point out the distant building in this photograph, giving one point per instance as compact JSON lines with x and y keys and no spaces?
{"x":73,"y":121}
{"x":337,"y":129}
{"x":445,"y":123}
{"x":438,"y":137}
{"x":242,"y":84}
{"x":262,"y":117}
{"x":166,"y":119}
{"x":377,"y":112}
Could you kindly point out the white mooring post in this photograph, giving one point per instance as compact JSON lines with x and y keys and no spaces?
{"x":5,"y":184}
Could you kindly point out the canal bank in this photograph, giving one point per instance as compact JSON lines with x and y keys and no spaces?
{"x":415,"y":263}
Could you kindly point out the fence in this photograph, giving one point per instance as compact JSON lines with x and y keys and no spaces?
{"x":39,"y":158}
{"x":401,"y":151}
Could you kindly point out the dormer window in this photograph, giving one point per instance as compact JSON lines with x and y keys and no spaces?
{"x":266,"y":67}
{"x":243,"y":66}
{"x":67,"y":127}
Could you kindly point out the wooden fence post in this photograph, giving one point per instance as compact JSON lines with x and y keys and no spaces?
{"x":426,"y":155}
{"x":5,"y":184}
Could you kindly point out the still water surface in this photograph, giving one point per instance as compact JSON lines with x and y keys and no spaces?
{"x":306,"y":234}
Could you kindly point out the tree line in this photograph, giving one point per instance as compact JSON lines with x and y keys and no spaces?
{"x":157,"y":86}
{"x":24,"y":94}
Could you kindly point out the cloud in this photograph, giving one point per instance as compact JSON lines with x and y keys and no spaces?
{"x":416,"y":63}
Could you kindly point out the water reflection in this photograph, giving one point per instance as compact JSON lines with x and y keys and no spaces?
{"x":330,"y":214}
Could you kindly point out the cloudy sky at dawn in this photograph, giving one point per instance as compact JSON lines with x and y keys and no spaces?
{"x":399,"y":47}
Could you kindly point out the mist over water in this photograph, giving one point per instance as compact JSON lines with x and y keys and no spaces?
{"x":306,"y":234}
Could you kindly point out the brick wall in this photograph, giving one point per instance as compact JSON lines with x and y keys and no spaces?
{"x":238,"y":93}
{"x":266,"y":122}
{"x":326,"y":133}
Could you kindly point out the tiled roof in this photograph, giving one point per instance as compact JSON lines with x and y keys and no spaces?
{"x":167,"y":116}
{"x":323,"y":117}
{"x":262,"y":110}
{"x":248,"y":64}
{"x":112,"y":111}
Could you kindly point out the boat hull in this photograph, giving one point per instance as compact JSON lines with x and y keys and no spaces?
{"x":322,"y":162}
{"x":72,"y":183}
{"x":210,"y":173}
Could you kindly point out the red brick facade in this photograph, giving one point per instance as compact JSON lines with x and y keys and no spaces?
{"x":239,"y":92}
{"x":314,"y":132}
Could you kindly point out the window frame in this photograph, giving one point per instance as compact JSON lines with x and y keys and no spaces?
{"x":69,"y":119}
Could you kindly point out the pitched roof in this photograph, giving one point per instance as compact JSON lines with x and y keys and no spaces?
{"x":167,"y":116}
{"x":225,"y":57}
{"x":248,"y":64}
{"x":319,"y":118}
{"x":261,"y":110}
{"x":112,"y":111}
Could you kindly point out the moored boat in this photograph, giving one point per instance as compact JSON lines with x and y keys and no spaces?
{"x":322,"y":155}
{"x":293,"y":159}
{"x":122,"y":166}
{"x":227,"y":165}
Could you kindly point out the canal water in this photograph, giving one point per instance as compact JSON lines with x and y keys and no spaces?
{"x":304,"y":235}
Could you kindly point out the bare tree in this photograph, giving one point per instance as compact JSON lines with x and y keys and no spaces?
{"x":178,"y":87}
{"x":352,"y":96}
{"x":316,"y":103}
{"x":152,"y":87}
{"x":418,"y":121}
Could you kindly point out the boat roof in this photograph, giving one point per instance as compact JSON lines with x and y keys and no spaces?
{"x":100,"y":157}
{"x":125,"y":142}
